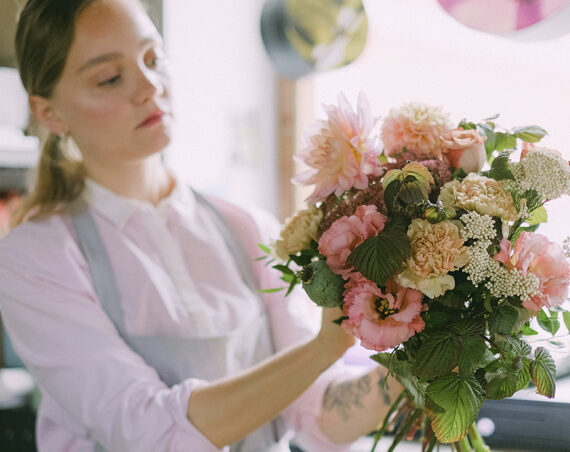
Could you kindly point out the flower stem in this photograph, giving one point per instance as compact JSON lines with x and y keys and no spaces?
{"x":477,"y":440}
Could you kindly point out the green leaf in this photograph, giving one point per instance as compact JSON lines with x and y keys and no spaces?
{"x":501,"y":377}
{"x":503,"y":319}
{"x":284,"y":269}
{"x":292,"y":285}
{"x":548,"y":323}
{"x":526,"y":330}
{"x":500,"y":167}
{"x":543,"y":372}
{"x":452,"y":299}
{"x":264,"y":248}
{"x":466,"y":125}
{"x":524,"y":374}
{"x":453,"y":403}
{"x":491,"y":141}
{"x":391,"y":194}
{"x":276,"y":289}
{"x":532,"y":134}
{"x":413,"y":191}
{"x":566,"y":318}
{"x":472,"y":353}
{"x":514,"y":347}
{"x":380,"y":256}
{"x":537,"y":216}
{"x":505,"y":141}
{"x":437,"y":356}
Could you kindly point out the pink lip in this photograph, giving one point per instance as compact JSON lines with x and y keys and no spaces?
{"x":152,"y":119}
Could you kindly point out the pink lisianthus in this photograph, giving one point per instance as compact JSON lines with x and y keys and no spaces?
{"x":341,"y":154}
{"x":416,"y":127}
{"x":346,"y":233}
{"x":382,"y":320}
{"x":464,"y":149}
{"x":535,"y":254}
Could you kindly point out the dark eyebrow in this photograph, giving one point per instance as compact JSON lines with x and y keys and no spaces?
{"x":112,"y":56}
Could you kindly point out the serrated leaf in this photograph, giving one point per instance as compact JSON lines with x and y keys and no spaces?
{"x":453,"y":403}
{"x":500,"y":168}
{"x":437,"y":356}
{"x":379,"y":257}
{"x":472,"y":352}
{"x":413,"y":192}
{"x":532,"y":134}
{"x":503,"y":319}
{"x":548,"y":323}
{"x":392,"y":176}
{"x":466,"y":125}
{"x":543,"y":372}
{"x":505,"y":141}
{"x":501,"y":377}
{"x":391,"y":193}
{"x":566,"y":318}
{"x":419,"y":172}
{"x":517,"y":347}
{"x":523,"y":379}
{"x":537,"y":216}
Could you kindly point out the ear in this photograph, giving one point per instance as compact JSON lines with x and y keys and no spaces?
{"x":45,"y":112}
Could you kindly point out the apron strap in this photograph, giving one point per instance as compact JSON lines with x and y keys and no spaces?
{"x":93,"y":249}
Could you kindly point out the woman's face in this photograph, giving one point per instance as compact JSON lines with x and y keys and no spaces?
{"x":113,"y":95}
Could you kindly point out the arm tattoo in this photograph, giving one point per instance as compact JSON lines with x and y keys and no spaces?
{"x":346,"y":395}
{"x":383,"y":387}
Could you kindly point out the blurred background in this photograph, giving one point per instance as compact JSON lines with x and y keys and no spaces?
{"x":251,"y":75}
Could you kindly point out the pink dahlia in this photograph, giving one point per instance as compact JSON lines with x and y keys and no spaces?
{"x":346,"y":233}
{"x":416,"y":127}
{"x":382,"y":320}
{"x":535,"y":254}
{"x":340,"y":153}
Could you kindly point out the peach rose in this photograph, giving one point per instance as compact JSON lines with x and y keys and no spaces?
{"x":346,"y":233}
{"x":464,"y":149}
{"x":382,"y":320}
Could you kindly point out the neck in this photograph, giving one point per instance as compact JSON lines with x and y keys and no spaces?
{"x":145,"y":180}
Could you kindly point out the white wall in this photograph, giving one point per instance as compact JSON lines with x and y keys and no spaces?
{"x":224,"y":91}
{"x":415,"y":51}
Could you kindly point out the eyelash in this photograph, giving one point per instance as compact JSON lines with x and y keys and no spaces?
{"x":111,"y":81}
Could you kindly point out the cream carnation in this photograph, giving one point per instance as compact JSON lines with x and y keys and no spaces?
{"x":484,"y":195}
{"x":298,"y":232}
{"x":418,"y":128}
{"x":436,"y":249}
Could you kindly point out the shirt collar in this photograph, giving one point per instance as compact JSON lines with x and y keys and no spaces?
{"x":119,"y":209}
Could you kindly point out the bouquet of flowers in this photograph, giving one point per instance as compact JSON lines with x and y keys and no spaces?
{"x":434,"y":262}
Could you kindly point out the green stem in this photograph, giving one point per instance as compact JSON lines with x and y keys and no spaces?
{"x":477,"y":440}
{"x":463,"y":445}
{"x":380,"y":433}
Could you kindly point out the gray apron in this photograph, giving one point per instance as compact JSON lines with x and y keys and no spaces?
{"x":177,"y":358}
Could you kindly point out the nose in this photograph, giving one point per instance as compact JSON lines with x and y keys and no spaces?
{"x":149,"y":85}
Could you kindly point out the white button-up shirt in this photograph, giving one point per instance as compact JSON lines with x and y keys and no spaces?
{"x":176,"y":278}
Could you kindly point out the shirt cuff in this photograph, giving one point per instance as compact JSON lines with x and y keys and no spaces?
{"x":178,"y":406}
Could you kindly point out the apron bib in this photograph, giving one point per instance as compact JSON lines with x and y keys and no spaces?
{"x":174,"y":358}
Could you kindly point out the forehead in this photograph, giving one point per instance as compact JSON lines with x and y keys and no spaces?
{"x":109,"y":26}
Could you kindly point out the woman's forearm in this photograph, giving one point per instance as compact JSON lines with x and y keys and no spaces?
{"x":230,"y":408}
{"x":356,"y":407}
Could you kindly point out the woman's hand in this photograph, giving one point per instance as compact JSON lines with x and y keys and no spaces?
{"x":331,"y":337}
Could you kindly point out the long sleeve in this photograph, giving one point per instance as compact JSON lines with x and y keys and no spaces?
{"x":75,"y":354}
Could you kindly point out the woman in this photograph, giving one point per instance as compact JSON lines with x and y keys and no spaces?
{"x":130,"y":298}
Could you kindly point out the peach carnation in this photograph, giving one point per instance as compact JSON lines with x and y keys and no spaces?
{"x":382,"y":320}
{"x":346,"y":233}
{"x":298,"y":232}
{"x":341,"y":154}
{"x":416,"y":127}
{"x":481,"y":194}
{"x":535,"y":254}
{"x":436,"y":249}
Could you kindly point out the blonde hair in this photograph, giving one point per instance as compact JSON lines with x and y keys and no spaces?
{"x":43,"y":38}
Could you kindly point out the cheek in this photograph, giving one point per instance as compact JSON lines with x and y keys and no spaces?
{"x":101,"y":111}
